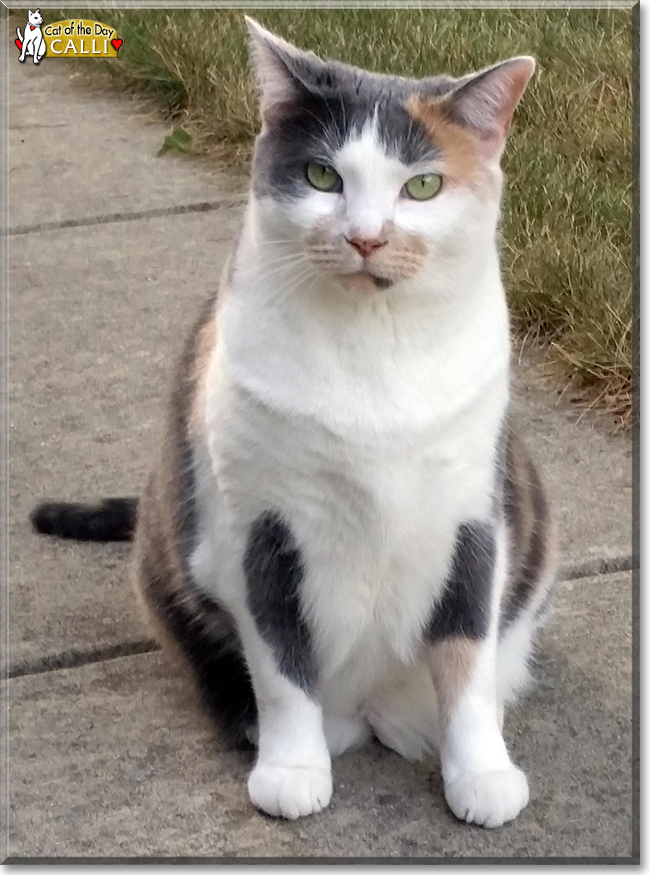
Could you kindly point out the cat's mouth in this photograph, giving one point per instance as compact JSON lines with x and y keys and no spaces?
{"x":364,"y":281}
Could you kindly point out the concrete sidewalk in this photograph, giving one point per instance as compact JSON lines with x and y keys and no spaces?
{"x":111,"y":251}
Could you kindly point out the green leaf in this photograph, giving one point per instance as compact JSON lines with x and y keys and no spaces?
{"x":178,"y":141}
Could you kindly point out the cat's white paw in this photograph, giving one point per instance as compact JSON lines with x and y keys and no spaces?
{"x":488,"y":798}
{"x":290,"y":791}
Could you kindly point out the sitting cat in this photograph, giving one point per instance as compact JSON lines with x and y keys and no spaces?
{"x":33,"y":43}
{"x":343,"y":535}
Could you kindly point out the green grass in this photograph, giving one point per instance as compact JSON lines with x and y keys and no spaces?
{"x":566,"y":227}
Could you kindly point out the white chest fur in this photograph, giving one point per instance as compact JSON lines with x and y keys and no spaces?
{"x":372,"y":454}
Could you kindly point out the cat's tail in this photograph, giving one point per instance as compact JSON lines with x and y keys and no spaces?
{"x":113,"y":519}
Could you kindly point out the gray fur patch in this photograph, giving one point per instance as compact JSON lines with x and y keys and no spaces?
{"x":464,"y":608}
{"x":332,"y":104}
{"x":274,"y":571}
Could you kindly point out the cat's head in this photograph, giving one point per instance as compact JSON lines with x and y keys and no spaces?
{"x":35,"y":18}
{"x":378,"y":177}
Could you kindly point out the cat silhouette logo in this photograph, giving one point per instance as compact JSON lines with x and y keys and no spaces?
{"x":33,"y":43}
{"x":66,"y":39}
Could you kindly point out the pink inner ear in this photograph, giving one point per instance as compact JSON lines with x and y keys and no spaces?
{"x":517,"y":77}
{"x":271,"y":56}
{"x":488,"y":100}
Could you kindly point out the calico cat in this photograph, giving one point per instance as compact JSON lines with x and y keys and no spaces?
{"x":343,"y":536}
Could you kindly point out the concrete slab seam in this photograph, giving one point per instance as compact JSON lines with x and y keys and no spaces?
{"x":77,"y":658}
{"x":110,"y":218}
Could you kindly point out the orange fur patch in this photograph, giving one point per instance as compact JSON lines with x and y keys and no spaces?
{"x":460,"y":147}
{"x":400,"y":259}
{"x":204,"y":346}
{"x":451,"y":662}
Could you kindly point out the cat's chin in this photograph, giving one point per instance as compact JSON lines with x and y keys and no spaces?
{"x":363,"y":282}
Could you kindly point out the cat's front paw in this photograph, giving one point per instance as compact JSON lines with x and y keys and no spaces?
{"x":290,"y":791}
{"x":488,"y":798}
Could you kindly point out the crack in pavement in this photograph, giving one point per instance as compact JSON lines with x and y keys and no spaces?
{"x":109,"y":218}
{"x":75,"y":658}
{"x":598,"y":567}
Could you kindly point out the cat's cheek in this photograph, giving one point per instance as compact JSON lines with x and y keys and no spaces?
{"x":419,"y":219}
{"x":307,"y":212}
{"x":296,"y":218}
{"x":441,"y":220}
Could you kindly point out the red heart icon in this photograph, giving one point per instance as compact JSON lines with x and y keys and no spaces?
{"x":116,"y":43}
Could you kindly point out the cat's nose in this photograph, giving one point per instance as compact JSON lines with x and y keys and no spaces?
{"x":366,"y":246}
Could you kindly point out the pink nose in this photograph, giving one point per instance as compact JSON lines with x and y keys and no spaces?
{"x":366,"y":246}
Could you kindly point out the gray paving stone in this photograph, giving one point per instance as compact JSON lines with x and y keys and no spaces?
{"x":115,"y":759}
{"x":75,"y":153}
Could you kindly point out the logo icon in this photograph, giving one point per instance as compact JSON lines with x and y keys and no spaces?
{"x":66,"y":39}
{"x":33,"y":43}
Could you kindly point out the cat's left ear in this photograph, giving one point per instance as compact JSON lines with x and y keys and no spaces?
{"x":284,"y":73}
{"x":486,"y":101}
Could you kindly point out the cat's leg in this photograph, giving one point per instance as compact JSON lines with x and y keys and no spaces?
{"x":292,"y":775}
{"x":482,"y":785}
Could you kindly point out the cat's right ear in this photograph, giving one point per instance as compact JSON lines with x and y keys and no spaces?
{"x":282,"y":71}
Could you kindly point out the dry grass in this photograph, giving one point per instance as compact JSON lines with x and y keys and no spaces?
{"x":567,"y":221}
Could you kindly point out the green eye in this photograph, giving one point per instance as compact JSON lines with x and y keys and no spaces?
{"x":324,"y":178}
{"x":424,"y":186}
